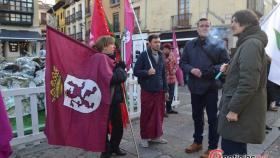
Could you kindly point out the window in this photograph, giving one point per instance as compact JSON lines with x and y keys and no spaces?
{"x":116,"y":24}
{"x":114,"y":2}
{"x":184,"y":6}
{"x":69,"y":31}
{"x":74,"y":29}
{"x":15,"y":17}
{"x":26,"y":18}
{"x":81,"y":27}
{"x":43,"y":19}
{"x":4,"y":1}
{"x":4,"y":4}
{"x":137,"y":13}
{"x":13,"y":46}
{"x":88,"y":6}
{"x":80,"y":7}
{"x":16,"y":12}
{"x":182,"y":19}
{"x":57,"y":20}
{"x":255,"y":5}
{"x":73,"y":11}
{"x":4,"y":17}
{"x":21,"y":5}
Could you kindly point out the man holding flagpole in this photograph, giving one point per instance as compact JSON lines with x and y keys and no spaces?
{"x":150,"y":70}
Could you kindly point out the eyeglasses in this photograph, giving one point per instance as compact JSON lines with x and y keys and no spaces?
{"x":204,"y":26}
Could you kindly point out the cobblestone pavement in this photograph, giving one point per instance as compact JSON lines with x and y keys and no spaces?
{"x":178,"y":130}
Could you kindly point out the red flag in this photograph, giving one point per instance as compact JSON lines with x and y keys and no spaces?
{"x":175,"y":48}
{"x":5,"y":131}
{"x":77,"y":93}
{"x":129,"y":27}
{"x":179,"y":72}
{"x":99,"y":25}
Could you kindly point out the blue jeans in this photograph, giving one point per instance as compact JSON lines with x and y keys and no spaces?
{"x":208,"y":101}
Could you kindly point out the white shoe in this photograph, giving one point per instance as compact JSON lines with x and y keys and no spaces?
{"x":159,"y":140}
{"x":144,"y":143}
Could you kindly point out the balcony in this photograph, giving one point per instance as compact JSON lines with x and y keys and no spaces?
{"x":116,"y":27}
{"x":87,"y":35}
{"x":181,"y":21}
{"x":73,"y":19}
{"x":79,"y":15}
{"x":79,"y":36}
{"x":136,"y":30}
{"x":73,"y":36}
{"x":67,"y":20}
{"x":4,"y":6}
{"x":88,"y":11}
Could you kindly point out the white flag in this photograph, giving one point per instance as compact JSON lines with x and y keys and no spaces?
{"x":271,"y":26}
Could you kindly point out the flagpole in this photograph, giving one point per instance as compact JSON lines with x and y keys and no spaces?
{"x":130,"y":122}
{"x":267,"y":17}
{"x":124,"y":59}
{"x":123,"y":53}
{"x":132,"y":132}
{"x":141,"y":34}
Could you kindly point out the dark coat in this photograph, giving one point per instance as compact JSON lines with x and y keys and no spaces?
{"x":152,"y":83}
{"x":119,"y":76}
{"x":194,"y":56}
{"x":244,"y":91}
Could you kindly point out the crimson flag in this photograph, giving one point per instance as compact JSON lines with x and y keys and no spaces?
{"x":129,"y":27}
{"x":77,"y":93}
{"x":99,"y":25}
{"x":6,"y":134}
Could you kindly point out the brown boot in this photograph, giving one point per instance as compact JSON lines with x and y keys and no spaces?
{"x":194,"y":147}
{"x":206,"y":153}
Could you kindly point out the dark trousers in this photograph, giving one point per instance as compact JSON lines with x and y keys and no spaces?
{"x":233,"y":148}
{"x":209,"y":102}
{"x":273,"y":93}
{"x":171,"y":96}
{"x":117,"y":128}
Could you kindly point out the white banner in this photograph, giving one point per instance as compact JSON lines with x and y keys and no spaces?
{"x":271,"y":25}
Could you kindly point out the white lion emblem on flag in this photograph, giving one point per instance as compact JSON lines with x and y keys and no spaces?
{"x":81,"y":95}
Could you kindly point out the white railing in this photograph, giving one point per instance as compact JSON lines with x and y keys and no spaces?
{"x":18,"y":95}
{"x":21,"y":138}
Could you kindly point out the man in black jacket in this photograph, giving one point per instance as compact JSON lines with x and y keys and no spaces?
{"x":201,"y":61}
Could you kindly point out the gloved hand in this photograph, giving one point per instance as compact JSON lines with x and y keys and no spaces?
{"x":121,"y":64}
{"x":208,"y":73}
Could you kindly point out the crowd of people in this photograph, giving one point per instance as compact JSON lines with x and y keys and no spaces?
{"x":239,"y":118}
